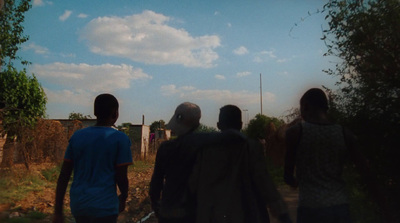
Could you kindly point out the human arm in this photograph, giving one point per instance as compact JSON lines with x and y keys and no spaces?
{"x":62,"y":184}
{"x":292,"y":139}
{"x":264,"y":186}
{"x":157,"y":181}
{"x":121,"y":177}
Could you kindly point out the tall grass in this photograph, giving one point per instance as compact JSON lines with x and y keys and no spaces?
{"x":16,"y":183}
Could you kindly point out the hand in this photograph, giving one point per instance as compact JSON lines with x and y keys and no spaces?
{"x":122,"y":203}
{"x":58,"y":218}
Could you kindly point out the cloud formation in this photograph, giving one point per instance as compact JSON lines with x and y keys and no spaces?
{"x":105,"y":77}
{"x":77,"y":81}
{"x":65,"y":16}
{"x":219,"y":77}
{"x":241,"y":51}
{"x":243,"y":74}
{"x":36,"y":48}
{"x":148,"y":38}
{"x":82,"y":15}
{"x":220,"y":96}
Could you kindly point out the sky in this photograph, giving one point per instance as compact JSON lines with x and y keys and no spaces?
{"x":155,"y":54}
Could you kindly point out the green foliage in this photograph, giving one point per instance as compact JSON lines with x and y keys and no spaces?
{"x":365,"y":36}
{"x":157,"y":125}
{"x":77,"y":116}
{"x":363,"y":210}
{"x":14,"y":185}
{"x":124,"y":127}
{"x":52,"y":174}
{"x":262,"y":126}
{"x":204,"y":128}
{"x":24,"y":98}
{"x":11,"y":35}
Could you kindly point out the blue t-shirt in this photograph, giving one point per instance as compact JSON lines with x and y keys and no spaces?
{"x":95,"y":152}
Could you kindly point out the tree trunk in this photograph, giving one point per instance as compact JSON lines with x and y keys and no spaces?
{"x":8,"y":152}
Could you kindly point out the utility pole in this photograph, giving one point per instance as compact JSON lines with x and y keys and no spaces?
{"x":261,"y":94}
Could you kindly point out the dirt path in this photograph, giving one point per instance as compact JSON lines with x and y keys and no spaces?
{"x":289,"y":195}
{"x":138,"y":204}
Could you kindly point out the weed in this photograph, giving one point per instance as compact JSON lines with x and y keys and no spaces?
{"x":14,"y":185}
{"x":51,"y":174}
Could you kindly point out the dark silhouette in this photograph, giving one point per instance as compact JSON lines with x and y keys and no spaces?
{"x":99,"y":156}
{"x":170,"y":198}
{"x":230,"y":178}
{"x":317,"y":148}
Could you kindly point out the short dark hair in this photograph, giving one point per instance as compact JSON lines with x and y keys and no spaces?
{"x":316,"y":98}
{"x":105,"y":105}
{"x":230,"y":116}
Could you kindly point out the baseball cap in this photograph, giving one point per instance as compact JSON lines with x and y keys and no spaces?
{"x":186,"y":117}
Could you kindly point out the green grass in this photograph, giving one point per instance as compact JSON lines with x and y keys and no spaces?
{"x":14,"y":185}
{"x":362,"y":208}
{"x":51,"y":174}
{"x":141,"y":165}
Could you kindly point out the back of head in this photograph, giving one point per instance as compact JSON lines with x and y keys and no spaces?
{"x":315,"y":98}
{"x":186,"y":118}
{"x":230,"y":117}
{"x":105,"y":105}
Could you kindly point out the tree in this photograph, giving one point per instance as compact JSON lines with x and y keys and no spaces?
{"x":25,"y":102}
{"x":124,"y":127}
{"x":78,"y":115}
{"x":22,"y":95}
{"x":365,"y":36}
{"x":262,"y":126}
{"x":206,"y":129}
{"x":160,"y":124}
{"x":11,"y":35}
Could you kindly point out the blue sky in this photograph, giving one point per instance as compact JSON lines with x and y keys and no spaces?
{"x":154,"y":54}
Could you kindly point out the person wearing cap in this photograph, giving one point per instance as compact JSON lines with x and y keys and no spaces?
{"x":169,"y":195}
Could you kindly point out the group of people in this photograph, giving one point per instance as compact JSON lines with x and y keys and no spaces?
{"x":211,"y":177}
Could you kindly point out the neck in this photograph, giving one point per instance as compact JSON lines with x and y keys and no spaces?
{"x":318,"y":118}
{"x":104,"y":123}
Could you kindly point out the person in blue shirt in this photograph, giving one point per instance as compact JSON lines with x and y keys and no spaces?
{"x":99,"y":156}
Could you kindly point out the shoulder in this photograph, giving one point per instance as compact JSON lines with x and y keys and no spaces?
{"x":294,"y":131}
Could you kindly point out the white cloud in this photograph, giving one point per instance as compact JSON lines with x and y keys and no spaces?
{"x":229,"y":25}
{"x":148,"y":38}
{"x":38,"y":3}
{"x":220,"y":96}
{"x":66,"y":15}
{"x":241,"y":51}
{"x":281,"y":60}
{"x":77,"y":97}
{"x":216,"y":13}
{"x":105,"y":77}
{"x":36,"y":48}
{"x":268,"y":55}
{"x":243,"y":74}
{"x":219,"y":77}
{"x":82,"y":16}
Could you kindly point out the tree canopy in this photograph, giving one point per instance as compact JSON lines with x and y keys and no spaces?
{"x":160,"y":124}
{"x":78,"y":115}
{"x":365,"y":36}
{"x":262,"y":126}
{"x":11,"y":35}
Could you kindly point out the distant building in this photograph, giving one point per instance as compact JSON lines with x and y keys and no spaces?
{"x":140,"y":137}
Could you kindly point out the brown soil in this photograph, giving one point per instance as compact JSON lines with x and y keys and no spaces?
{"x":138,"y":203}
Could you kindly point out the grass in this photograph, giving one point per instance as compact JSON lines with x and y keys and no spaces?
{"x":362,"y":208}
{"x":15,"y":184}
{"x":32,"y":216}
{"x":52,"y":173}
